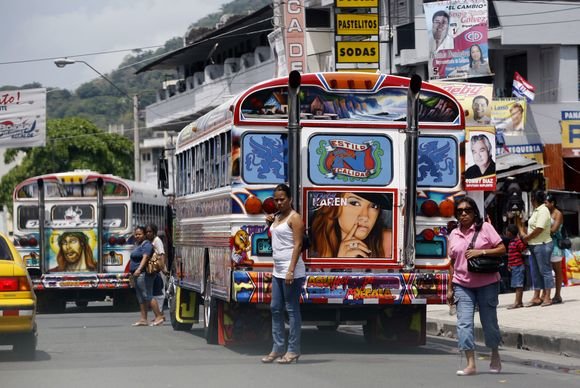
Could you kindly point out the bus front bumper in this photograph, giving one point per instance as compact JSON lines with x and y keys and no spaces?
{"x":82,"y":281}
{"x":349,"y":288}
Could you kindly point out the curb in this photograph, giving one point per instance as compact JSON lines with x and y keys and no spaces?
{"x":537,"y":341}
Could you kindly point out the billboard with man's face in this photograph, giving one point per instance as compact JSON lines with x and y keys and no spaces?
{"x":509,"y":116}
{"x":457,"y":36}
{"x":476,"y":100}
{"x":480,"y":159}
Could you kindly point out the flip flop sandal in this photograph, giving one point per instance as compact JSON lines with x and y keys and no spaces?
{"x":515,"y":306}
{"x":158,"y":322}
{"x":140,"y":323}
{"x":533,"y":304}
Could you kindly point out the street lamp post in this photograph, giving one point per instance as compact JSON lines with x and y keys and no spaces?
{"x":137,"y":161}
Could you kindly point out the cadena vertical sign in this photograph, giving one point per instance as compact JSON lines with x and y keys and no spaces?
{"x":294,"y":24}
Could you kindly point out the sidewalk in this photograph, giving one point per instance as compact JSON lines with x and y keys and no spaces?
{"x":552,"y":329}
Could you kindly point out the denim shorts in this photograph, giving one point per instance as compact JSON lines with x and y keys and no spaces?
{"x":518,"y":274}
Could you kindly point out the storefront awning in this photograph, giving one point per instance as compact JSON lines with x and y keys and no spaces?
{"x":509,"y":164}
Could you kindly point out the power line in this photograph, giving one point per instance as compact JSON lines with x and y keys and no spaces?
{"x":78,"y":55}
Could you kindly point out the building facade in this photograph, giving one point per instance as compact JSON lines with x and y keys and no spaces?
{"x":529,"y":37}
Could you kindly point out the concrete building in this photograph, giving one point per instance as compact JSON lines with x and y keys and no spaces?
{"x":534,"y":38}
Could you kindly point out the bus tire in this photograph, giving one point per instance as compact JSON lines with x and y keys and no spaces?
{"x":177,"y":326}
{"x":210,"y":313}
{"x":370,"y":332}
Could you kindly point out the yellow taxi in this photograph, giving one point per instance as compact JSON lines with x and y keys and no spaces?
{"x":17,"y":302}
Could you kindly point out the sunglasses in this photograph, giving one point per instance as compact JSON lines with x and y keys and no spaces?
{"x":466,"y":210}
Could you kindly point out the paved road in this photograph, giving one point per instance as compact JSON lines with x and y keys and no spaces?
{"x":99,"y":348}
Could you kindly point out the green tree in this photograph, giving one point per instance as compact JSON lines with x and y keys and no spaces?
{"x":72,"y":143}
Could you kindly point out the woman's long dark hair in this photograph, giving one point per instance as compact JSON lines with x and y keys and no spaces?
{"x":481,"y":60}
{"x":326,"y":228}
{"x":550,"y":198}
{"x":478,"y":220}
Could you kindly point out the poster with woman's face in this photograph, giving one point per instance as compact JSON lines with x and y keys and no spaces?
{"x":350,"y":224}
{"x":480,"y":159}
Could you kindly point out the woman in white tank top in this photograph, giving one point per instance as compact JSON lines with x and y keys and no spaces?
{"x":288,"y":275}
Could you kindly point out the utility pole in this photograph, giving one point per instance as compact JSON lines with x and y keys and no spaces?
{"x":136,"y":148}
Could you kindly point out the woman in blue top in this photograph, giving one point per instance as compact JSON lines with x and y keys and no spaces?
{"x":143,"y":281}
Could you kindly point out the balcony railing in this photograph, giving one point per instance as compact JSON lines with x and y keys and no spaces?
{"x":202,"y":91}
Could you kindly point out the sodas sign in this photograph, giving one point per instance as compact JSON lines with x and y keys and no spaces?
{"x":357,"y":52}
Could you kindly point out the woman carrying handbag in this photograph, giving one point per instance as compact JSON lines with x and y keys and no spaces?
{"x":473,"y":239}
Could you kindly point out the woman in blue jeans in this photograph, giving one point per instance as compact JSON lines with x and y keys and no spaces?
{"x":539,"y":241}
{"x":468,"y":289}
{"x":144,"y":281}
{"x":287,"y":230}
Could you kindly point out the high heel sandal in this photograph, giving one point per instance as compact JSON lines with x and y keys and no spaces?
{"x":289,"y":358}
{"x":495,"y":369}
{"x":270,"y":358}
{"x":466,"y":372}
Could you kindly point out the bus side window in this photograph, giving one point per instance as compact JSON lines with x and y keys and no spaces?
{"x":217,"y":161}
{"x":212,"y":172}
{"x":228,"y":158}
{"x":196,"y":167}
{"x":192,"y":167}
{"x":178,"y":160}
{"x":206,"y":165}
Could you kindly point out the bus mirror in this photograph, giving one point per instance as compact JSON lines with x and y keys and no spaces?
{"x":162,"y":174}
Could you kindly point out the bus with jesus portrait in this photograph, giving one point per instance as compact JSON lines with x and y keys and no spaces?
{"x":82,"y":251}
{"x":345,"y":156}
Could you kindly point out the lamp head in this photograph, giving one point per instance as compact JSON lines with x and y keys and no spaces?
{"x":63,"y":62}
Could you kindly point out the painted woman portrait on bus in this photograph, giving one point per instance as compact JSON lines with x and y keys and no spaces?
{"x":351,"y":224}
{"x":74,"y":253}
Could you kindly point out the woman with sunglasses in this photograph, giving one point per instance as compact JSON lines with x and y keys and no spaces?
{"x":468,"y":289}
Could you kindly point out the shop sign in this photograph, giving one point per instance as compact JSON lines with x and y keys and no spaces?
{"x":357,"y":24}
{"x":357,"y":52}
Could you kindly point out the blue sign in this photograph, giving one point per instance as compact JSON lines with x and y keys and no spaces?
{"x":571,"y":115}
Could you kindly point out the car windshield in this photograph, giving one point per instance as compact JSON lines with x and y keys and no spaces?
{"x":5,"y":251}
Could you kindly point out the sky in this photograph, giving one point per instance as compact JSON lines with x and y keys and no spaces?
{"x":37,"y":32}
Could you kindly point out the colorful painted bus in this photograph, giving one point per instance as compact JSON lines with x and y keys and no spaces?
{"x":346,"y":155}
{"x":81,"y":252}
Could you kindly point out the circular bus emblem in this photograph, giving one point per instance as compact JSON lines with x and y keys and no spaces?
{"x":473,"y":36}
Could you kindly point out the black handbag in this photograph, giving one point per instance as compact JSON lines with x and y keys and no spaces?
{"x":482,"y":264}
{"x":564,"y":242}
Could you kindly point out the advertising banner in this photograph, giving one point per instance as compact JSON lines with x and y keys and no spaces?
{"x":357,"y":52}
{"x":457,"y":34}
{"x":23,"y":118}
{"x":356,"y":3}
{"x":350,"y":226}
{"x":480,"y":159}
{"x":509,"y":116}
{"x":570,"y":138}
{"x":294,"y":24}
{"x":357,"y":24}
{"x":474,"y":98}
{"x":530,"y":151}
